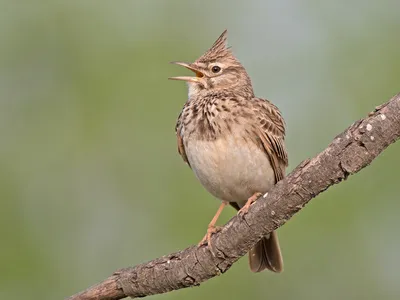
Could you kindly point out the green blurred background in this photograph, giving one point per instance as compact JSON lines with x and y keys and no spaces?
{"x":90,"y":179}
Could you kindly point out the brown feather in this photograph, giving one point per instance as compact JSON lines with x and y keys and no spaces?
{"x":226,"y":133}
{"x":181,"y":149}
{"x":271,"y":132}
{"x":266,"y":254}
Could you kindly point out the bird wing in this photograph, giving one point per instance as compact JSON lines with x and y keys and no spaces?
{"x":179,"y":138}
{"x":270,"y":130}
{"x":181,"y":148}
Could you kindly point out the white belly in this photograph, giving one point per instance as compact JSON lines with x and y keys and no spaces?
{"x":230,"y":169}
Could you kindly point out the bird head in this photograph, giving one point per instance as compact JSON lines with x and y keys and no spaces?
{"x":216,"y":69}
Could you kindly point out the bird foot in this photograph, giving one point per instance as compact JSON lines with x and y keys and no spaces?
{"x":207,"y":238}
{"x":245,"y":209}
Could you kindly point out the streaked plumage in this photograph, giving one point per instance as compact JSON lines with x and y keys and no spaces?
{"x":232,"y":140}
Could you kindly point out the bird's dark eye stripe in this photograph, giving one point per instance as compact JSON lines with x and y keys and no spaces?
{"x":215,"y":69}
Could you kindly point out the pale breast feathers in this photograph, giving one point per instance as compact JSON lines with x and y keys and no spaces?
{"x":260,"y":119}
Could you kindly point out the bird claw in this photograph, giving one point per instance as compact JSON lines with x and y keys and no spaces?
{"x":245,"y":209}
{"x":207,"y":238}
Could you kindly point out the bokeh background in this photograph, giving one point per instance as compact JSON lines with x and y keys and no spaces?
{"x":90,"y":179}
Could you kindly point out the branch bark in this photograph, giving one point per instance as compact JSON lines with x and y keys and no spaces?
{"x":348,"y":153}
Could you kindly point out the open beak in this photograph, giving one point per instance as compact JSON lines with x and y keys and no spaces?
{"x":188,"y":78}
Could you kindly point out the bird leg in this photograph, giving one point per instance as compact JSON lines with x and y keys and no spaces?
{"x":244,"y":210}
{"x":211,"y":227}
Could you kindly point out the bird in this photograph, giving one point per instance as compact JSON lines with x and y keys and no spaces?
{"x":232,"y":140}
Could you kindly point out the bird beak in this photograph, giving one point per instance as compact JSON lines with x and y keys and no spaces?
{"x":192,"y":68}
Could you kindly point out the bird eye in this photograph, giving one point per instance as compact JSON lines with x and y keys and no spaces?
{"x":215,"y":69}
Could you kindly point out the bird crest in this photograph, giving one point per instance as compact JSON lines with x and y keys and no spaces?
{"x":218,"y":50}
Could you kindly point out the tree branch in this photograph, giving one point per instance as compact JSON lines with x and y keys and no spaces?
{"x":348,"y":153}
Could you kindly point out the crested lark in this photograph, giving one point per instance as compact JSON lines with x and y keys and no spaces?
{"x":232,"y":140}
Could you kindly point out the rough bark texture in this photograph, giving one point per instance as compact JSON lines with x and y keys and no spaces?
{"x":349,"y":152}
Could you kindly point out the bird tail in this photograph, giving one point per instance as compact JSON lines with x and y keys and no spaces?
{"x":266,"y":254}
